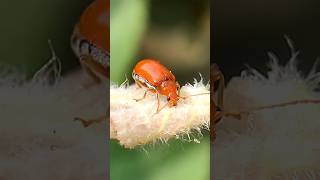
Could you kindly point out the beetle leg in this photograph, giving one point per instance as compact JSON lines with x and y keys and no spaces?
{"x":139,"y":84}
{"x":144,"y":95}
{"x":216,"y":108}
{"x":158,"y":100}
{"x":88,"y":70}
{"x":216,"y":118}
{"x":159,"y":109}
{"x":237,"y":115}
{"x":158,"y":106}
{"x":220,"y":91}
{"x":92,"y":75}
{"x":92,"y":68}
{"x":88,"y":122}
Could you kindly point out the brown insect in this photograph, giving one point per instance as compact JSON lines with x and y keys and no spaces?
{"x":216,"y":102}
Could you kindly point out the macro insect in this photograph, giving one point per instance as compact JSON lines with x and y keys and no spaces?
{"x":157,"y":79}
{"x":90,"y":42}
{"x":216,"y":102}
{"x":216,"y":98}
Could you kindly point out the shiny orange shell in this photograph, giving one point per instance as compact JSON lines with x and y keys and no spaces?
{"x":153,"y":72}
{"x":94,"y":24}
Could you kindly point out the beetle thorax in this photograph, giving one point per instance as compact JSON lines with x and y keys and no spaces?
{"x":169,"y":89}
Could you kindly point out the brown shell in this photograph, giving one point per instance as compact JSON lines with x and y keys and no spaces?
{"x":153,"y":72}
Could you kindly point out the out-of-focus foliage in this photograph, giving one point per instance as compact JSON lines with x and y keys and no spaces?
{"x":173,"y":161}
{"x":127,"y":23}
{"x":26,"y":27}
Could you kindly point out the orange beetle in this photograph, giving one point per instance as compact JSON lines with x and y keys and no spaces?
{"x":91,"y":40}
{"x":91,"y":43}
{"x":158,"y":79}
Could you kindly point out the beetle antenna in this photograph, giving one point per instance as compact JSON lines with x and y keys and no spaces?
{"x":163,"y":106}
{"x":304,"y":101}
{"x":239,"y":115}
{"x":185,"y":97}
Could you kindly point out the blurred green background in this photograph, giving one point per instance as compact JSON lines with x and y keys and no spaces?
{"x":26,"y":27}
{"x":177,"y":33}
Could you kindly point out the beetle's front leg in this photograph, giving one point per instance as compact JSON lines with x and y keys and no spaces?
{"x":216,"y":118}
{"x":144,"y":95}
{"x":92,"y":68}
{"x":158,"y":101}
{"x":158,"y":106}
{"x":89,"y":71}
{"x":138,"y":84}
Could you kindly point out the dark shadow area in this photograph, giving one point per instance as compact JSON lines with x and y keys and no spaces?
{"x":242,"y":33}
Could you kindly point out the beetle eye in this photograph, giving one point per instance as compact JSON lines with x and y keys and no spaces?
{"x":168,"y":98}
{"x":178,"y":86}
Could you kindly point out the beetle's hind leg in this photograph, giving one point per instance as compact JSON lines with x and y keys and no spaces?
{"x":216,"y":108}
{"x":217,"y":78}
{"x":216,"y":118}
{"x":89,"y":122}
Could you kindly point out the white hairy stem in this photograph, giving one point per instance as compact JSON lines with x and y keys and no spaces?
{"x":137,"y":123}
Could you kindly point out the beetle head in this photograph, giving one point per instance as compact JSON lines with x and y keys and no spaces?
{"x":169,"y":89}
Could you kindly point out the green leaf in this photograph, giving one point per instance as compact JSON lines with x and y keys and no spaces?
{"x":128,"y":22}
